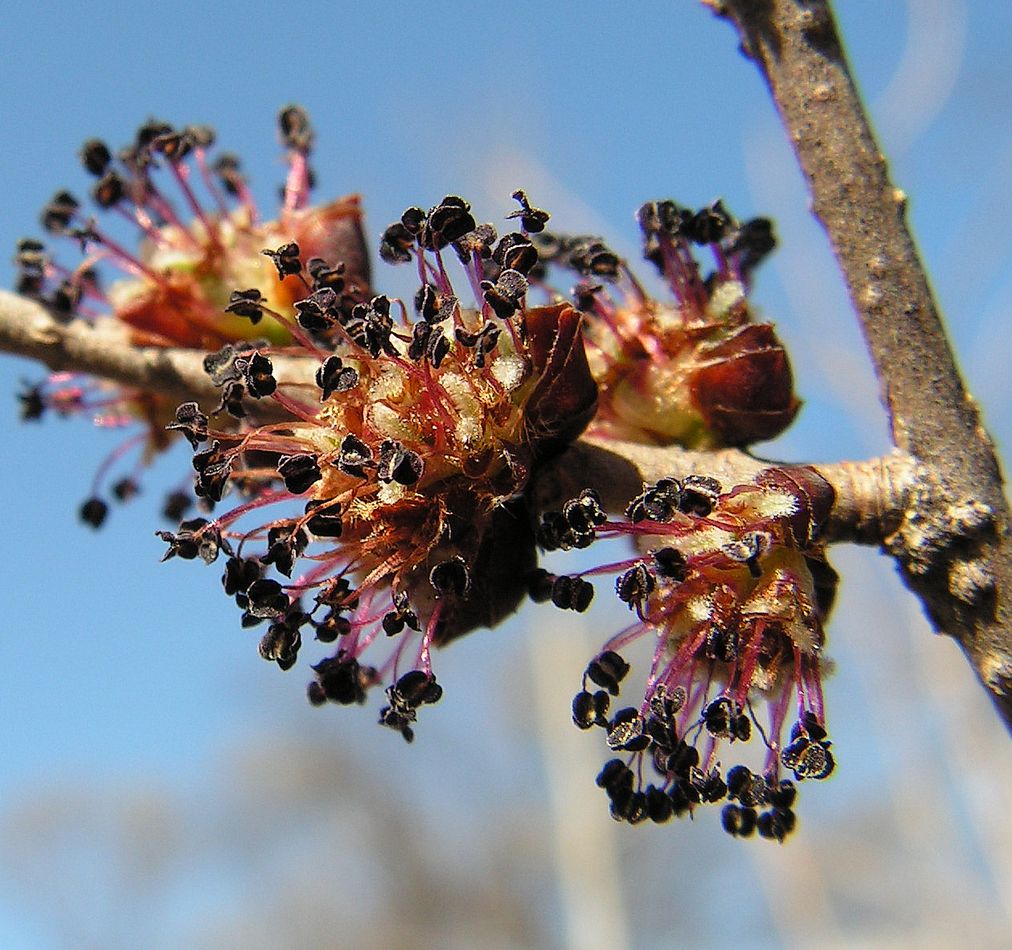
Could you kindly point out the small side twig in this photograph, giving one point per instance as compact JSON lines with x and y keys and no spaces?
{"x":871,"y":495}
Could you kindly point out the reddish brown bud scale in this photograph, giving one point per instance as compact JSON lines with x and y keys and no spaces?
{"x":173,"y":313}
{"x":503,"y":558}
{"x":814,"y":495}
{"x":565,"y":397}
{"x":744,"y":388}
{"x":334,"y":234}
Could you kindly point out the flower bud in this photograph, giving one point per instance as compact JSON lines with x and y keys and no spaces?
{"x":697,"y":372}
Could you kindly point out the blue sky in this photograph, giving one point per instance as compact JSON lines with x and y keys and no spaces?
{"x":123,"y":670}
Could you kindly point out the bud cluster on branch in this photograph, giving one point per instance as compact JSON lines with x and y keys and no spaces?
{"x":380,"y":476}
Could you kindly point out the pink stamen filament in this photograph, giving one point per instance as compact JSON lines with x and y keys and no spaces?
{"x":318,"y":576}
{"x":799,"y":681}
{"x":181,"y":174}
{"x":165,"y":209}
{"x":268,"y":498}
{"x":746,"y":664}
{"x":292,"y":325}
{"x":624,"y":637}
{"x":141,"y":220}
{"x":245,"y":197}
{"x":114,"y":456}
{"x":125,"y":260}
{"x":723,"y":267}
{"x":363,"y":643}
{"x":209,"y":183}
{"x":443,"y":279}
{"x":297,"y":183}
{"x":614,"y":568}
{"x":710,"y":755}
{"x":296,"y":408}
{"x":693,"y":702}
{"x":424,"y":660}
{"x":475,"y":274}
{"x":393,"y":662}
{"x":637,"y":288}
{"x":815,"y":689}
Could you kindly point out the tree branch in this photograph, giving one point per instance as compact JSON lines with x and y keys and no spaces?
{"x":953,"y":541}
{"x":870,"y":496}
{"x":104,"y":349}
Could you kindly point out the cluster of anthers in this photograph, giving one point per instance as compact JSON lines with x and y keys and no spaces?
{"x":406,"y":457}
{"x":174,"y":289}
{"x":380,"y":504}
{"x":733,"y":588}
{"x":697,"y":370}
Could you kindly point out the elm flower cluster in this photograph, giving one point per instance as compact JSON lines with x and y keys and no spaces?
{"x":698,"y":371}
{"x":200,"y":236}
{"x":405,"y":461}
{"x":729,"y":583}
{"x":380,"y":505}
{"x":732,"y":588}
